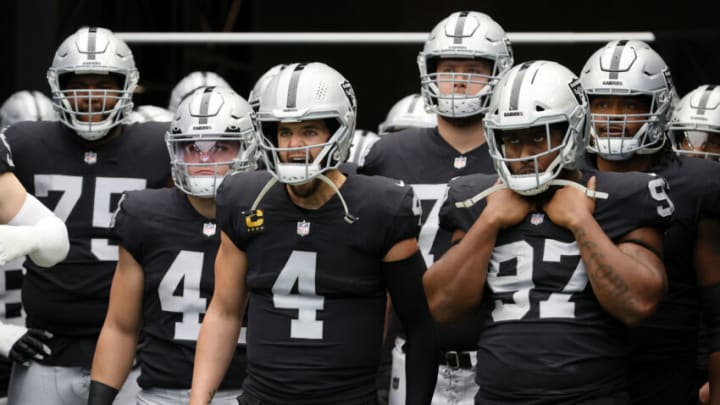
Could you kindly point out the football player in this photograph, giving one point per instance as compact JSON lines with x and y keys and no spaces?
{"x":80,"y":166}
{"x":26,"y":227}
{"x":695,"y":123}
{"x":561,"y":258}
{"x":408,"y":112}
{"x":313,"y":257}
{"x":630,"y":91}
{"x":20,"y":106}
{"x":191,"y":82}
{"x":168,"y":241}
{"x":26,"y":106}
{"x":459,"y":66}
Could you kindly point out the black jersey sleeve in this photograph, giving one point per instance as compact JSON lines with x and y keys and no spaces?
{"x":461,"y":189}
{"x":635,"y":200}
{"x":127,"y":225}
{"x":406,"y":221}
{"x":233,"y":201}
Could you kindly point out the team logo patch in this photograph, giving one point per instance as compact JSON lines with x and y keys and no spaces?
{"x":303,"y":228}
{"x":254,"y":221}
{"x":208,"y":229}
{"x":537,"y":218}
{"x":460,"y":162}
{"x":90,"y":157}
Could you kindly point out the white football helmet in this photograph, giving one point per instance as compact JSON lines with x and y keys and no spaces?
{"x":628,"y":68}
{"x":361,"y":142}
{"x":210,"y":115}
{"x":463,"y":35}
{"x":538,"y":93}
{"x":193,"y":81}
{"x":261,"y":85}
{"x":93,"y":50}
{"x":409,"y":112}
{"x":301,"y":92}
{"x":149,"y":113}
{"x":26,"y":105}
{"x":695,"y":119}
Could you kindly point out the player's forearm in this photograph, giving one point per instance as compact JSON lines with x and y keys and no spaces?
{"x":454,"y":284}
{"x":215,"y":348}
{"x":626,"y":287}
{"x":114,"y":356}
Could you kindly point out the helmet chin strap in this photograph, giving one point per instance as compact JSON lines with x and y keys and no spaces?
{"x":349,"y":218}
{"x":555,"y":182}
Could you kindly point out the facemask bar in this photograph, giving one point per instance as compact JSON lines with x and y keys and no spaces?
{"x":302,"y":171}
{"x":206,"y":185}
{"x":538,"y":181}
{"x":454,"y":104}
{"x":695,"y":139}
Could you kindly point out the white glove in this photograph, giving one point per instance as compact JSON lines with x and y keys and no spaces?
{"x":21,"y":344}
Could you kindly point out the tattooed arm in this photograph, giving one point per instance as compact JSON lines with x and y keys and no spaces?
{"x":627,"y":278}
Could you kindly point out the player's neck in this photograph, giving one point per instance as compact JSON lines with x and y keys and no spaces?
{"x":203,"y":206}
{"x":462,"y":138}
{"x":316,"y":193}
{"x":637,"y":163}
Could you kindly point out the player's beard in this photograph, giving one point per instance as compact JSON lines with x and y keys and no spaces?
{"x":307,"y":189}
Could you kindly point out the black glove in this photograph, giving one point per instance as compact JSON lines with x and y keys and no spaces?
{"x":21,"y":345}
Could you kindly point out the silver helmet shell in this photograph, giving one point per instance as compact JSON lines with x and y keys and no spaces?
{"x":209,"y":115}
{"x":628,"y":68}
{"x":463,"y":35}
{"x":93,"y":50}
{"x":537,"y":94}
{"x":301,"y":92}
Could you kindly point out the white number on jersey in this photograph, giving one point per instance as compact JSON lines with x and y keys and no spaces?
{"x":105,"y":187}
{"x":557,"y":305}
{"x":429,"y":230}
{"x":657,"y":191}
{"x":186,"y":269}
{"x":300,"y":268}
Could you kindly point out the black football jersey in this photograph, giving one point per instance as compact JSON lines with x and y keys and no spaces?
{"x":672,"y":330}
{"x":670,"y":334}
{"x":82,"y":184}
{"x":316,"y":287}
{"x":424,"y":160}
{"x":546,"y":337}
{"x":176,"y":248}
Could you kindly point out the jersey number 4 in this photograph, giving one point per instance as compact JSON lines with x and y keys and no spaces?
{"x":300,"y":268}
{"x":519,"y":284}
{"x":179,"y":292}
